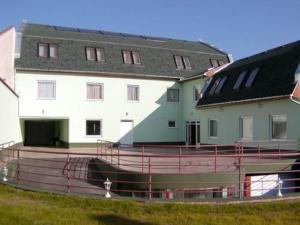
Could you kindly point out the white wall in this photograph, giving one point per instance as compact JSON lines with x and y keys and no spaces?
{"x":150,"y":114}
{"x":9,"y":121}
{"x":7,"y":48}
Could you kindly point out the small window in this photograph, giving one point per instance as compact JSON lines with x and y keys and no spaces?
{"x":279,"y":127}
{"x":251,"y":77}
{"x":246,"y":128}
{"x":95,"y":54}
{"x":221,"y":62}
{"x":187,"y":63}
{"x":95,"y":91}
{"x":136,"y":58}
{"x":172,"y":95}
{"x":100,"y":54}
{"x":171,"y":123}
{"x":215,"y":85}
{"x":178,"y":62}
{"x":53,"y":53}
{"x":213,"y":128}
{"x":182,"y":62}
{"x":239,"y":80}
{"x":131,"y":57}
{"x":197,"y":94}
{"x":46,"y":50}
{"x":214,"y":63}
{"x":133,"y":93}
{"x":43,"y":50}
{"x":46,"y":89}
{"x":221,"y":84}
{"x":93,"y":127}
{"x":297,"y":73}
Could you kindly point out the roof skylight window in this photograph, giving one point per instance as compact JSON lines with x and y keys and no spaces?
{"x":239,"y":80}
{"x":220,"y":86}
{"x":252,"y":77}
{"x":297,"y":73}
{"x":215,"y":85}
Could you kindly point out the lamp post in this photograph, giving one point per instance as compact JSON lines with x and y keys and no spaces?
{"x":4,"y":173}
{"x":280,"y":182}
{"x":107,"y":185}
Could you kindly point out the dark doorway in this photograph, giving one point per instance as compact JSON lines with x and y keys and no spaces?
{"x":40,"y":133}
{"x":193,"y":133}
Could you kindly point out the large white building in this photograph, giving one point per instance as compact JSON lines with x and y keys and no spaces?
{"x":72,"y":86}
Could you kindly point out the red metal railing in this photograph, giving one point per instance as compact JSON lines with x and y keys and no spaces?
{"x":156,"y":171}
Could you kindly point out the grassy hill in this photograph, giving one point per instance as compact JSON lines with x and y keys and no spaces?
{"x":26,"y":207}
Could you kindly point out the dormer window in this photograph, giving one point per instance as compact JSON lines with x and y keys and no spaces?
{"x":182,"y":62}
{"x":215,"y":85}
{"x":95,"y":54}
{"x":47,"y":50}
{"x":214,"y":63}
{"x":251,"y":77}
{"x":131,"y":57}
{"x":220,"y":86}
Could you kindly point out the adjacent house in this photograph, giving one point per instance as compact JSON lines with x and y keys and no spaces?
{"x":75,"y":86}
{"x":255,"y":98}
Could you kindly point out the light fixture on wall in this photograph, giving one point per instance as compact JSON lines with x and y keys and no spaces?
{"x":126,"y":113}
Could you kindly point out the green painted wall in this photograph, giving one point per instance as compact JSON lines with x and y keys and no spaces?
{"x":228,"y":120}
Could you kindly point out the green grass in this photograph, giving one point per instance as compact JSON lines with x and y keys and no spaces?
{"x":26,"y":207}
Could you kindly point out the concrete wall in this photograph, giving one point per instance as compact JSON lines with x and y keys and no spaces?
{"x":150,"y":115}
{"x":7,"y":46}
{"x":228,"y":120}
{"x":9,"y":121}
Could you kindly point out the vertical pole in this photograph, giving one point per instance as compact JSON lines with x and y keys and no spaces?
{"x":143,"y":151}
{"x":216,"y":158}
{"x":18,"y":166}
{"x":279,"y":152}
{"x":111,"y":155}
{"x":68,"y":175}
{"x":149,"y":178}
{"x":179,"y":161}
{"x":240,"y":178}
{"x":118,"y":156}
{"x":259,"y":151}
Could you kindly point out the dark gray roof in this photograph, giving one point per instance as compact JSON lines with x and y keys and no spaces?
{"x":275,"y":77}
{"x":156,"y":53}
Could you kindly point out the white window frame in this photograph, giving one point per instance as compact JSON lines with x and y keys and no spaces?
{"x":54,"y":89}
{"x":174,"y":123}
{"x":241,"y":122}
{"x":101,"y":128}
{"x":209,"y":128}
{"x":138,"y":94}
{"x":102,"y":91}
{"x":271,"y":126}
{"x":174,"y":102}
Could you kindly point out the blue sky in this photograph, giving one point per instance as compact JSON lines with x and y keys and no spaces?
{"x":239,"y":27}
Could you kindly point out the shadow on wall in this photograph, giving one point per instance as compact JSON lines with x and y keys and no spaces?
{"x":154,"y":127}
{"x":118,"y":220}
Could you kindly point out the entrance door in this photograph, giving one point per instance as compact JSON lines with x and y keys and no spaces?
{"x":193,"y":133}
{"x":126,"y":132}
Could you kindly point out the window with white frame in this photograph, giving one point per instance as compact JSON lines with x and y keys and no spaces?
{"x":172,"y":124}
{"x":172,"y":95}
{"x":279,"y":126}
{"x":46,"y":89}
{"x":133,"y":93}
{"x":182,"y":62}
{"x":213,"y":128}
{"x":131,"y":57}
{"x":246,"y":128}
{"x":93,"y":127}
{"x":95,"y":54}
{"x":94,"y":91}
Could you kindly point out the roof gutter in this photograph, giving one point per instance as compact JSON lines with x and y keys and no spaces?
{"x":145,"y":76}
{"x":243,"y":101}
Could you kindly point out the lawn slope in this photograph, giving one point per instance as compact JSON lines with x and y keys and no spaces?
{"x":26,"y":207}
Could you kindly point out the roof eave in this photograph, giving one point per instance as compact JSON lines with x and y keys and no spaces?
{"x":242,"y":101}
{"x":95,"y":73}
